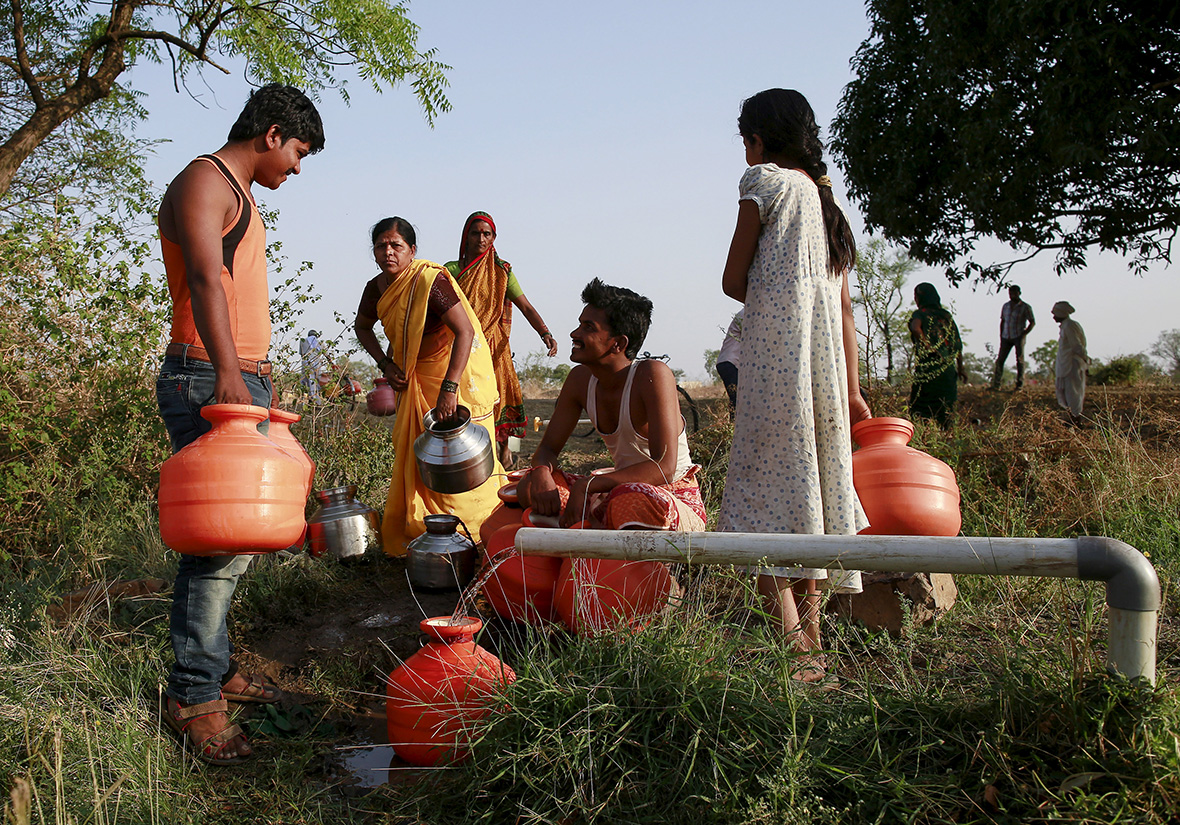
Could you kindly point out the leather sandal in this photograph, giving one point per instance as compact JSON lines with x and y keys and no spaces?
{"x":179,"y":717}
{"x":258,"y":691}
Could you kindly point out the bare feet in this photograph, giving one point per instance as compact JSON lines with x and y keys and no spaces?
{"x":811,"y":670}
{"x":506,"y":458}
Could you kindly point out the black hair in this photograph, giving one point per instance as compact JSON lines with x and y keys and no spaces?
{"x":628,"y":313}
{"x":785,"y":122}
{"x":283,"y":106}
{"x":926,"y":295}
{"x":401,"y":225}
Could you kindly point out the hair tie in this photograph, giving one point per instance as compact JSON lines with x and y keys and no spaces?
{"x":823,"y":180}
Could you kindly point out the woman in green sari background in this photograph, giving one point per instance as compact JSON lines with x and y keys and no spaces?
{"x":438,"y":358}
{"x":491,"y":287}
{"x":938,"y":358}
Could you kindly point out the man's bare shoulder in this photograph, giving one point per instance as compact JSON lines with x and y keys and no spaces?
{"x":576,"y":383}
{"x":656,"y":373}
{"x":200,"y":188}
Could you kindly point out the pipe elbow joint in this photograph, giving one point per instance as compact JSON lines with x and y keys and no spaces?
{"x":1131,"y":580}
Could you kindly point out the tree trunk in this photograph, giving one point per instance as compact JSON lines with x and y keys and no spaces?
{"x":56,"y":111}
{"x":25,"y":140}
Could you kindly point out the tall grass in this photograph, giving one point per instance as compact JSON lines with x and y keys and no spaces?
{"x":1001,"y":712}
{"x":697,"y":719}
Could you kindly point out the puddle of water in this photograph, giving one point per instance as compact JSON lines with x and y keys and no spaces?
{"x":370,"y":764}
{"x":370,"y":759}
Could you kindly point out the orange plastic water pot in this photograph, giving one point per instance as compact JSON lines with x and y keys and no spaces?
{"x":597,"y":595}
{"x":280,"y":433}
{"x":441,"y":692}
{"x":520,"y":588}
{"x":904,"y":491}
{"x":232,"y":491}
{"x":500,"y":518}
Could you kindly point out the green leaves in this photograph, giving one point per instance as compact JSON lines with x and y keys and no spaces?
{"x":75,"y":58}
{"x":1045,"y":124}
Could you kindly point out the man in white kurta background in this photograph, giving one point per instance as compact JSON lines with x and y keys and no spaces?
{"x":1072,"y":361}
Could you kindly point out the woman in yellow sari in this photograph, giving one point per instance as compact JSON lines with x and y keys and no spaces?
{"x":438,"y":358}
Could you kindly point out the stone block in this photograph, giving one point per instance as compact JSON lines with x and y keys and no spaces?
{"x":927,"y":596}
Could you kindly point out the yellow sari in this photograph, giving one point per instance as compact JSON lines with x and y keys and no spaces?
{"x":424,"y":359}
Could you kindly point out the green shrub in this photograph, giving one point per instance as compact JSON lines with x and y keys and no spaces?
{"x":1122,"y":370}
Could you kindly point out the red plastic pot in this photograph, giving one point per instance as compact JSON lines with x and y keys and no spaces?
{"x":594,"y":596}
{"x":503,"y":516}
{"x":381,"y":400}
{"x":441,"y":692}
{"x":520,"y":588}
{"x":904,"y":491}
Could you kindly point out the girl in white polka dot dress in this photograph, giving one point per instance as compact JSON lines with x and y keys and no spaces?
{"x":790,"y":469}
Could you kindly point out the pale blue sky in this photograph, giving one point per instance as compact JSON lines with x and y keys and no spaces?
{"x":602,"y":138}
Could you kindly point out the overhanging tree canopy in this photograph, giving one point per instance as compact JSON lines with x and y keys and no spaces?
{"x":1052,"y":125}
{"x":60,"y":57}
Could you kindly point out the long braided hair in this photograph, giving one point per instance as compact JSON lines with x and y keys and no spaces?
{"x":786,"y":123}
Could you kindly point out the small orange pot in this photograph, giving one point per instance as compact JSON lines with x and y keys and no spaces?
{"x":441,"y":692}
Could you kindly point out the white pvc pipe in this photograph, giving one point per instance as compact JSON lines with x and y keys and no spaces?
{"x":538,"y":423}
{"x":1133,"y":594}
{"x":1130,"y":647}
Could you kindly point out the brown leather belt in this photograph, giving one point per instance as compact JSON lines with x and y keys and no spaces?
{"x":259,"y":368}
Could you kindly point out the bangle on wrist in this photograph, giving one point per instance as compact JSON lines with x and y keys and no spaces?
{"x":545,"y":334}
{"x":449,"y":386}
{"x":381,"y":363}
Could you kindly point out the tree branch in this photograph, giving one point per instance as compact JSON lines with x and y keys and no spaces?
{"x":166,"y":37}
{"x":8,"y":62}
{"x":22,"y":56}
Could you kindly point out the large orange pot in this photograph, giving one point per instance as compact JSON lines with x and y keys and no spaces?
{"x":507,"y":513}
{"x":280,"y":433}
{"x":597,"y":595}
{"x":520,"y":588}
{"x":381,"y":400}
{"x":232,"y":491}
{"x":503,"y":516}
{"x":435,"y":698}
{"x":905,"y":492}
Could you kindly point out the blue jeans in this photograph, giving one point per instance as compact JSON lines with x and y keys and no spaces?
{"x":204,"y":584}
{"x":1006,"y":346}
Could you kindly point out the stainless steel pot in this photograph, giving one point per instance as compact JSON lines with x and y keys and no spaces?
{"x":343,"y":525}
{"x":454,"y":456}
{"x":440,"y":558}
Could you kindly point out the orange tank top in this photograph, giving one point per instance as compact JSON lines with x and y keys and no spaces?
{"x":243,"y":277}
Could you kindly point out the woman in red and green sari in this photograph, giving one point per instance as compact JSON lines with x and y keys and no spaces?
{"x":492,"y":289}
{"x":938,"y":358}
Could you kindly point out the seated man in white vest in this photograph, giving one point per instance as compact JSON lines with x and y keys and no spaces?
{"x":633,"y":406}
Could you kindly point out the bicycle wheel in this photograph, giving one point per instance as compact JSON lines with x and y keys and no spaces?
{"x":688,"y":409}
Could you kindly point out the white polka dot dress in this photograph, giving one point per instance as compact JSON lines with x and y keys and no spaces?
{"x":790,"y":468}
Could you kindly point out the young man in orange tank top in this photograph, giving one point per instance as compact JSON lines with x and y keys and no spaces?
{"x":648,"y":493}
{"x":214,"y":250}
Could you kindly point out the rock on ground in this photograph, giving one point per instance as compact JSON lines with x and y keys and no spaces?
{"x":889,"y":597}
